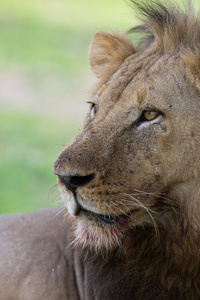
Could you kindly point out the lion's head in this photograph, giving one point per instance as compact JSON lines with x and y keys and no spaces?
{"x":137,"y":160}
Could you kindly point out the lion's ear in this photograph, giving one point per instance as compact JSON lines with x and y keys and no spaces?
{"x":107,"y":52}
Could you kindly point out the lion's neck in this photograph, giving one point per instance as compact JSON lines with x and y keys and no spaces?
{"x":149,"y":267}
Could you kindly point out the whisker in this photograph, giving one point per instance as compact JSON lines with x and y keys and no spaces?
{"x":160,"y":196}
{"x":52,"y":190}
{"x":123,"y":212}
{"x":139,"y":203}
{"x":121,"y":203}
{"x":110,"y":207}
{"x":153,"y":220}
{"x":142,"y":206}
{"x":61,"y":210}
{"x":57,"y":202}
{"x":169,"y":202}
{"x":72,"y":243}
{"x":149,"y":213}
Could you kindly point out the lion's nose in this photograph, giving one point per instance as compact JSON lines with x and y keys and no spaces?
{"x":73,"y":182}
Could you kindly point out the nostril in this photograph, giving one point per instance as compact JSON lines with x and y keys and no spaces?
{"x":73,"y":182}
{"x":77,"y":181}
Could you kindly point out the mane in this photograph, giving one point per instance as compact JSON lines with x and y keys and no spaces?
{"x":167,"y":26}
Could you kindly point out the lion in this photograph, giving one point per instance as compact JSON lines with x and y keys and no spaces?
{"x":129,"y":181}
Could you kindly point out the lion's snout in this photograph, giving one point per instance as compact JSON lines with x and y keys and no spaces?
{"x":71,"y":172}
{"x":77,"y":165}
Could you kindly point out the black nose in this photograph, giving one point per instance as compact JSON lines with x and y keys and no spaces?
{"x":73,"y":182}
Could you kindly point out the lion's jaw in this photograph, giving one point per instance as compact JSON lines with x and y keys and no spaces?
{"x":122,"y":167}
{"x":96,"y":229}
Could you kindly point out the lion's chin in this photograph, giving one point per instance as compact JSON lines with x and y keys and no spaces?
{"x":100,"y":232}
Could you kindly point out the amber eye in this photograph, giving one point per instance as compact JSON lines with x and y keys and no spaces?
{"x":94,"y":110}
{"x":150,"y":115}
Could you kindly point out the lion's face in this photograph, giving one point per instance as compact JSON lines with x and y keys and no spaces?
{"x":138,"y":143}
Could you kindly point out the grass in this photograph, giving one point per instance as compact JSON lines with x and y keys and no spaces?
{"x":52,"y":34}
{"x":30,"y":146}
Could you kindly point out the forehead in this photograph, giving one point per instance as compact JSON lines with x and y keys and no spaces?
{"x":142,"y":77}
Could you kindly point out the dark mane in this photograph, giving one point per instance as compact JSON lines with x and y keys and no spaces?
{"x":166,"y":25}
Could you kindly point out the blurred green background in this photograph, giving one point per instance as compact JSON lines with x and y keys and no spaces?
{"x":44,"y":75}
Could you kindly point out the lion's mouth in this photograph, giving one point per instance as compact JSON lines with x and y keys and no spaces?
{"x":107,"y":219}
{"x":102,"y":231}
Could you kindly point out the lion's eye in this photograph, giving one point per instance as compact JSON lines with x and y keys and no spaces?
{"x":150,"y":115}
{"x":94,"y":110}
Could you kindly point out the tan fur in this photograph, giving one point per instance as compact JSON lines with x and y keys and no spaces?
{"x":141,"y":95}
{"x":192,"y":62}
{"x":142,"y":175}
{"x":107,"y":52}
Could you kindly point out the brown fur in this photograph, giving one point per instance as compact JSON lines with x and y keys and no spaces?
{"x":142,"y":176}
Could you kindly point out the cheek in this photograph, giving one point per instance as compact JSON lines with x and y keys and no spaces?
{"x":145,"y":168}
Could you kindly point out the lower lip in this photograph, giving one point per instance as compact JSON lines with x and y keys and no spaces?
{"x":113,"y":221}
{"x":119,"y":222}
